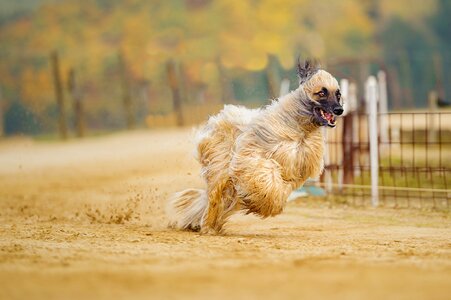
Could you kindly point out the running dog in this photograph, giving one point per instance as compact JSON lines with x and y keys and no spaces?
{"x":252,"y":159}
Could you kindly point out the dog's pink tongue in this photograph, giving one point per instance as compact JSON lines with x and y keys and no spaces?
{"x":328,"y":116}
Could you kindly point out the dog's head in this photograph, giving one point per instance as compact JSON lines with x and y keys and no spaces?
{"x":323,"y":93}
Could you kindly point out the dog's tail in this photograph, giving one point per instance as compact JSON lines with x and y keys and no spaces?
{"x":186,"y":209}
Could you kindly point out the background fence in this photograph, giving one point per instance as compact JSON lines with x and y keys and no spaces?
{"x":413,"y":155}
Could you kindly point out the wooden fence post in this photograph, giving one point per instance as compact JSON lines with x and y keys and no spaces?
{"x":371,"y":95}
{"x":186,"y":89}
{"x":126,"y":97}
{"x":54,"y":59}
{"x":174,"y":85}
{"x":77,"y":103}
{"x":226,"y":89}
{"x":272,"y":76}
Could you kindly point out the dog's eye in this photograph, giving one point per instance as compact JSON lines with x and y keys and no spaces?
{"x":322,"y":93}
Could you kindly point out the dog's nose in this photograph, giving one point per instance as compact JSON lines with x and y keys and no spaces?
{"x":338,"y":110}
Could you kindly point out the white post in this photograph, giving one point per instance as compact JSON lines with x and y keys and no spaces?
{"x":371,"y":101}
{"x":284,"y":87}
{"x":353,"y":107}
{"x":344,"y":88}
{"x":383,"y":108}
{"x":352,"y":97}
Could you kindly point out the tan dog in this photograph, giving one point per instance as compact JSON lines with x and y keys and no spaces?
{"x":252,"y":159}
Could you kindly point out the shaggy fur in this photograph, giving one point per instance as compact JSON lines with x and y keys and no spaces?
{"x":252,"y":159}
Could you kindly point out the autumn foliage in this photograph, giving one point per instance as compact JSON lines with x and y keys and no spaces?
{"x":213,"y":43}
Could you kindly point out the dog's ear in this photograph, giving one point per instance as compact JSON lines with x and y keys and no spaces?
{"x":307,"y":69}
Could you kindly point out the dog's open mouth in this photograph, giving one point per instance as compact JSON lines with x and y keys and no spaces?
{"x":326,"y":117}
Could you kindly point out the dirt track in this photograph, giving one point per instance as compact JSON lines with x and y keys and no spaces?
{"x":84,"y":219}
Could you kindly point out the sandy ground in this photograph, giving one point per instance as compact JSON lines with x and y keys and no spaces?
{"x":85,"y":220}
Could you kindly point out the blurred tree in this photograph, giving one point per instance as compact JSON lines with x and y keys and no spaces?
{"x":441,"y":26}
{"x":441,"y":23}
{"x":209,"y":39}
{"x":174,"y":83}
{"x":410,"y":45}
{"x":77,"y":104}
{"x":62,"y":123}
{"x":126,"y":93}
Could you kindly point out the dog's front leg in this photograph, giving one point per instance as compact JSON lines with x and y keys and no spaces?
{"x":213,"y":219}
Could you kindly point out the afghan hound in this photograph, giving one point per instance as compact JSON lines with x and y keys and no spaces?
{"x":252,"y":159}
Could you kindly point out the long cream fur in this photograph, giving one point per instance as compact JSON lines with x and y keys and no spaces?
{"x":252,"y":159}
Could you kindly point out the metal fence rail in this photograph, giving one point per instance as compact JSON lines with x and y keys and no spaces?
{"x":414,"y":160}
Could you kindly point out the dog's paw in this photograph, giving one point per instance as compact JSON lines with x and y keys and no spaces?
{"x":208,"y":231}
